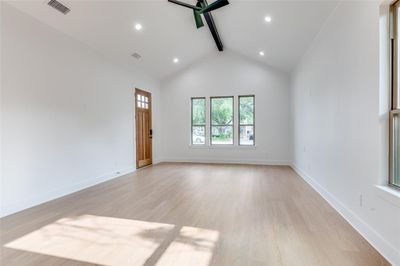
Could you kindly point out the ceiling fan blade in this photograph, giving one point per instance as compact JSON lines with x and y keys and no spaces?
{"x":184,"y":4}
{"x":197,"y":16}
{"x":215,"y":5}
{"x":197,"y":19}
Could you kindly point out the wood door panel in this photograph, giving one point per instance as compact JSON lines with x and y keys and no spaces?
{"x":143,"y":106}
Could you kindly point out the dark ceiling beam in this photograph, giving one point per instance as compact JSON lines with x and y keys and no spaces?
{"x":213,"y":29}
{"x":214,"y":32}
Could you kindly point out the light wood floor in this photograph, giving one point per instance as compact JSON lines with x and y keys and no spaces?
{"x":188,"y":215}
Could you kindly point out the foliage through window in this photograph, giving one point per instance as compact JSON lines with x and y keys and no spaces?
{"x":198,"y":121}
{"x":222,"y":120}
{"x":395,"y":97}
{"x":246,"y":120}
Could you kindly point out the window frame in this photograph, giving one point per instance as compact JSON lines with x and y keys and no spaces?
{"x":233,"y":120}
{"x":394,"y":90}
{"x":254,"y":119}
{"x":195,"y":125}
{"x":393,"y":156}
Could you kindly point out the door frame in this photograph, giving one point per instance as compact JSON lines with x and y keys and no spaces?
{"x":136,"y":146}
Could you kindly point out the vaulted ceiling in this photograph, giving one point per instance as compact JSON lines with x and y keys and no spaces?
{"x":169,"y":30}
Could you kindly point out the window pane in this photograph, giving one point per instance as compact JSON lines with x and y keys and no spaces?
{"x":246,"y":105}
{"x":138,"y":97}
{"x":396,"y":144}
{"x":198,"y":111}
{"x":222,"y":135}
{"x":246,"y":135}
{"x":199,"y":135}
{"x":222,"y":111}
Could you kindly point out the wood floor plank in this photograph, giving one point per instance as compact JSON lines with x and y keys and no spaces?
{"x":209,"y":214}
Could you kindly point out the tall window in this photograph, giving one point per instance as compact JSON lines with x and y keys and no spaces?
{"x":395,"y":104}
{"x":198,"y":121}
{"x":246,"y":120}
{"x":221,"y":120}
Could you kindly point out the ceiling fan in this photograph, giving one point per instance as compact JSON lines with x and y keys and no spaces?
{"x":202,"y":7}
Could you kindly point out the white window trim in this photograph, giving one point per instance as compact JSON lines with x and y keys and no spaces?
{"x":394,"y":81}
{"x":223,"y":146}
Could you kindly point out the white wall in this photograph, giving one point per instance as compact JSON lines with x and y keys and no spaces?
{"x":338,"y":113}
{"x":227,"y":74}
{"x":67,"y":114}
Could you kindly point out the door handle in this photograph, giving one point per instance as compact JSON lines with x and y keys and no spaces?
{"x":151,"y":133}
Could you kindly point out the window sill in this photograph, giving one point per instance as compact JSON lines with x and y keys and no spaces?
{"x":222,"y":146}
{"x":389,"y":194}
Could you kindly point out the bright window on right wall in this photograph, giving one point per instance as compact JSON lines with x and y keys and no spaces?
{"x":394,"y":132}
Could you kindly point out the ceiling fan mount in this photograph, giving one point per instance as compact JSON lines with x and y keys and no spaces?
{"x":203,"y":8}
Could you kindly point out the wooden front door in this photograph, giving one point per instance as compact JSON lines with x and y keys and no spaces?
{"x":143,"y":128}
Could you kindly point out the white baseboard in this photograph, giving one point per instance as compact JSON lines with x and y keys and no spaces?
{"x":223,"y":161}
{"x":60,"y":192}
{"x":373,"y":237}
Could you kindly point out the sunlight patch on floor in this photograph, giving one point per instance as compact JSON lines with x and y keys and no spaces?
{"x":193,"y":246}
{"x":115,"y":241}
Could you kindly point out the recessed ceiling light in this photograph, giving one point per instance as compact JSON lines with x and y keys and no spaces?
{"x":138,"y":26}
{"x":261,"y":53}
{"x":176,"y":60}
{"x":268,"y":19}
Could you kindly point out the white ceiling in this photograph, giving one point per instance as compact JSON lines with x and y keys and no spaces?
{"x":169,"y":30}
